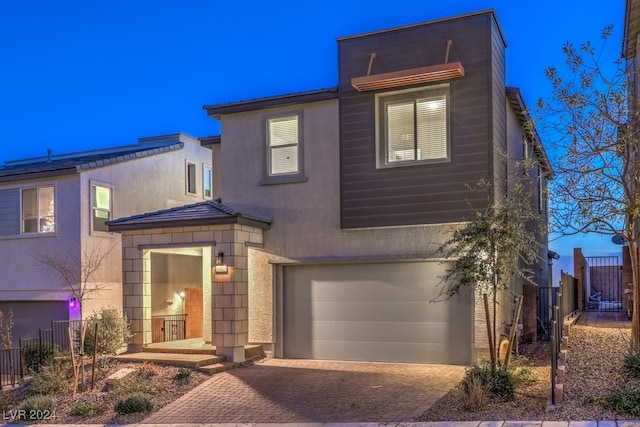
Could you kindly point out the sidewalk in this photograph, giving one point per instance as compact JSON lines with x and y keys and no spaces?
{"x":619,"y":423}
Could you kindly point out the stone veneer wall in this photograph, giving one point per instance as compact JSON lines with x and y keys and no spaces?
{"x":228,"y":292}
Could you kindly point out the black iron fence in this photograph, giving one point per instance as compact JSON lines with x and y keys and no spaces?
{"x":12,"y":360}
{"x":603,"y":290}
{"x":548,"y":299}
{"x":168,"y":327}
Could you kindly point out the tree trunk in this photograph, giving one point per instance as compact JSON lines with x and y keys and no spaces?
{"x":635,"y":317}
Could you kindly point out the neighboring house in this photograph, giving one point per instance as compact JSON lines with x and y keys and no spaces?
{"x":334,"y":203}
{"x":59,"y":205}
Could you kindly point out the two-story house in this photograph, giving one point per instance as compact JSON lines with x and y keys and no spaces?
{"x":335,"y":201}
{"x":57,"y":206}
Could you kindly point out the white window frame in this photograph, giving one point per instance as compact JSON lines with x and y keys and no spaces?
{"x":438,"y":93}
{"x":38,"y":219}
{"x":190,"y":178}
{"x":296,"y":175}
{"x":92,"y":206}
{"x":205,"y":184}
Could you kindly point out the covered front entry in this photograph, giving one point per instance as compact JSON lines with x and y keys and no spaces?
{"x":374,"y":312}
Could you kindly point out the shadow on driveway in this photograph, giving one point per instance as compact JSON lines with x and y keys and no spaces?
{"x":277,"y":390}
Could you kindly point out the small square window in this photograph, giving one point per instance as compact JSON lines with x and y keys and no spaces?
{"x":413,"y":126}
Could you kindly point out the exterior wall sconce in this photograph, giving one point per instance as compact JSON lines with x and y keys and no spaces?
{"x":220,"y":267}
{"x":73,"y":302}
{"x":182,"y":294}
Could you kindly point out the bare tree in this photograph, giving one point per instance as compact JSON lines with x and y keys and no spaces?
{"x":78,"y":271}
{"x":592,"y":119}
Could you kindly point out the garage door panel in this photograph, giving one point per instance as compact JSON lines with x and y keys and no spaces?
{"x":374,"y":312}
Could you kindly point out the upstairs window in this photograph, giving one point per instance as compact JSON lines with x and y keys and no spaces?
{"x":100,"y":207}
{"x":38,"y":210}
{"x":207,"y":181}
{"x":284,"y":149}
{"x":413,"y":126}
{"x":190,"y":178}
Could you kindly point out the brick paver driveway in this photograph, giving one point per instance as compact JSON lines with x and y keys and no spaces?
{"x":277,"y":390}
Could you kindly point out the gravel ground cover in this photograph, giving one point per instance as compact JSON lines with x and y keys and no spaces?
{"x":594,"y":371}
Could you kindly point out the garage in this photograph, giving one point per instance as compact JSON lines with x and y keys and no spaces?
{"x":374,"y":312}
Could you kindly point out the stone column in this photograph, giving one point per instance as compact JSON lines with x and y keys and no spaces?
{"x":230,"y":295}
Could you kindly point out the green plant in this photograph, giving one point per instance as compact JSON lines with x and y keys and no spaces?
{"x":136,"y":402}
{"x":632,"y":362}
{"x":88,"y":409}
{"x":38,"y":355}
{"x":473,"y":393}
{"x":499,"y":381}
{"x":183,"y":374}
{"x":625,"y":400}
{"x":520,"y":367}
{"x":52,"y":379}
{"x":7,"y":402}
{"x":39,"y":404}
{"x":148,"y":370}
{"x":113,"y":331}
{"x":137,"y":383}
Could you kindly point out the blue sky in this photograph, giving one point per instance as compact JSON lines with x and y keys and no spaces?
{"x":78,"y":75}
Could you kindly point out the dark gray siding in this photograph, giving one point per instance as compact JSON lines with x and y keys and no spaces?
{"x":499,"y":105}
{"x":9,"y":212}
{"x":424,"y":194}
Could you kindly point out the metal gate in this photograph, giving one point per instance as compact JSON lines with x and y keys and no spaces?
{"x":603,"y":287}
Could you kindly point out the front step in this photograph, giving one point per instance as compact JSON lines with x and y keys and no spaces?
{"x":192,"y":361}
{"x":210,"y":351}
{"x":215,"y":368}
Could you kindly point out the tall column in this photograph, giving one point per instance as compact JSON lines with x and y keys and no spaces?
{"x":230,"y":295}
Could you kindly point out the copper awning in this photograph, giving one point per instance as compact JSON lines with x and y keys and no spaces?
{"x":433,"y":73}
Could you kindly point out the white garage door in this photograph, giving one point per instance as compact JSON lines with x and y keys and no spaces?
{"x":374,"y":312}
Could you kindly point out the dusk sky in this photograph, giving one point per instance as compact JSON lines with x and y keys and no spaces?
{"x":79,"y":75}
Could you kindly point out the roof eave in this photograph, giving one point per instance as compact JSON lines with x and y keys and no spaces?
{"x":147,"y":225}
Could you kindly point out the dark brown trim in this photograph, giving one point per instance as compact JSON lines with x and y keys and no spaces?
{"x":414,"y":76}
{"x":216,"y":111}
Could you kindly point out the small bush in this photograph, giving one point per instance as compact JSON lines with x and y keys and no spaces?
{"x":53,"y":379}
{"x":39,"y":404}
{"x":38,"y":355}
{"x":88,"y":409}
{"x":499,"y":382}
{"x":148,"y":370}
{"x":183,"y":374}
{"x":7,"y":402}
{"x":632,"y":362}
{"x":474,"y":395}
{"x":134,"y":384}
{"x":113,"y":331}
{"x":520,"y":368}
{"x":625,"y":400}
{"x":136,"y":402}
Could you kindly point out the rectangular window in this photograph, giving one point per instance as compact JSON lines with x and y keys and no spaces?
{"x":100,"y":207}
{"x":207,"y":181}
{"x":283,"y":145}
{"x":413,"y":126}
{"x":191,"y":178}
{"x":38,"y":210}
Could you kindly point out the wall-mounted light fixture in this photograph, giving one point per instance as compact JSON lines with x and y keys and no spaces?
{"x":73,"y":302}
{"x":221,"y":267}
{"x":182,"y":294}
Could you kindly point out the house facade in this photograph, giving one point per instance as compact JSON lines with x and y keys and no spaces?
{"x":334,"y":202}
{"x":57,"y":206}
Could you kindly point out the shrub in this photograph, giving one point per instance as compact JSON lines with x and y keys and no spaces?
{"x":632,"y":362}
{"x":7,"y":402}
{"x":39,"y":404}
{"x":38,"y":355}
{"x":136,"y":402}
{"x":183,"y":374}
{"x":134,"y":384}
{"x":473,"y":393}
{"x":520,"y":368}
{"x":148,"y":370}
{"x":53,"y":379}
{"x":499,"y":382}
{"x":88,"y":409}
{"x":113,"y":331}
{"x":625,"y":400}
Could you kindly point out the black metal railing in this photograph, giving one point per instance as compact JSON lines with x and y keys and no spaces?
{"x":168,"y":327}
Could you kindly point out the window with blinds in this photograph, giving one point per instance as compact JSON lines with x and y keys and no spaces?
{"x":283,"y":134}
{"x":413,"y":126}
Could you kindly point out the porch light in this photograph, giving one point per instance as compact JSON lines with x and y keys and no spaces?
{"x":73,"y":302}
{"x":182,"y":294}
{"x":221,"y":267}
